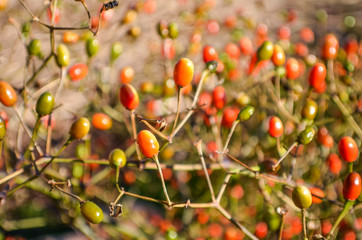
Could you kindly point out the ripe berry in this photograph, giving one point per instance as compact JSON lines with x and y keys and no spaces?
{"x":8,"y":95}
{"x":148,"y":143}
{"x":128,"y":96}
{"x":284,"y":33}
{"x":78,"y":71}
{"x":317,"y":194}
{"x":45,"y":104}
{"x":334,"y":163}
{"x":302,"y":197}
{"x":91,"y":212}
{"x":275,"y":127}
{"x":348,"y":149}
{"x":261,"y":230}
{"x":126,"y":75}
{"x":292,"y":68}
{"x":79,"y":128}
{"x":117,"y":158}
{"x":330,"y":47}
{"x":278,"y":57}
{"x":70,"y":37}
{"x":306,"y":34}
{"x":219,"y":97}
{"x":232,"y":50}
{"x":246,"y":46}
{"x":209,"y":54}
{"x":229,"y":116}
{"x":317,"y":75}
{"x":301,"y":49}
{"x":183,"y":72}
{"x":352,"y":186}
{"x":101,"y":121}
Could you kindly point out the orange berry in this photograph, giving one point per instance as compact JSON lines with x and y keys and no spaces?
{"x":8,"y":95}
{"x":183,"y":72}
{"x":148,"y":143}
{"x":126,"y":75}
{"x":101,"y":121}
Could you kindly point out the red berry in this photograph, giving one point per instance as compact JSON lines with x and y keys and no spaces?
{"x":317,"y":75}
{"x":219,"y":97}
{"x":210,"y":54}
{"x":330,"y":47}
{"x":284,"y":33}
{"x":232,"y":50}
{"x":352,"y":186}
{"x":229,"y":117}
{"x":348,"y":149}
{"x":261,"y":230}
{"x":168,"y":49}
{"x":78,"y":71}
{"x":275,"y":127}
{"x":301,"y":49}
{"x":293,"y":68}
{"x":334,"y":163}
{"x":326,"y":227}
{"x":128,"y":96}
{"x":317,"y":194}
{"x":246,"y":46}
{"x":306,"y":34}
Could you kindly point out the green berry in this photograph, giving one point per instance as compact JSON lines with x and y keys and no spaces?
{"x":173,"y":30}
{"x":91,"y":212}
{"x":307,"y":135}
{"x":63,"y":56}
{"x":117,"y":158}
{"x":45,"y":104}
{"x":265,"y":51}
{"x":302,"y":197}
{"x":34,"y":48}
{"x":116,"y":51}
{"x":92,"y":47}
{"x":246,"y":113}
{"x":81,"y":151}
{"x":2,"y":128}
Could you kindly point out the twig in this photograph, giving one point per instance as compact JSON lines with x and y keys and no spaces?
{"x":285,"y":154}
{"x":155,"y":158}
{"x":134,"y":131}
{"x":179,"y":97}
{"x":235,"y":123}
{"x":348,"y":116}
{"x":198,"y":146}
